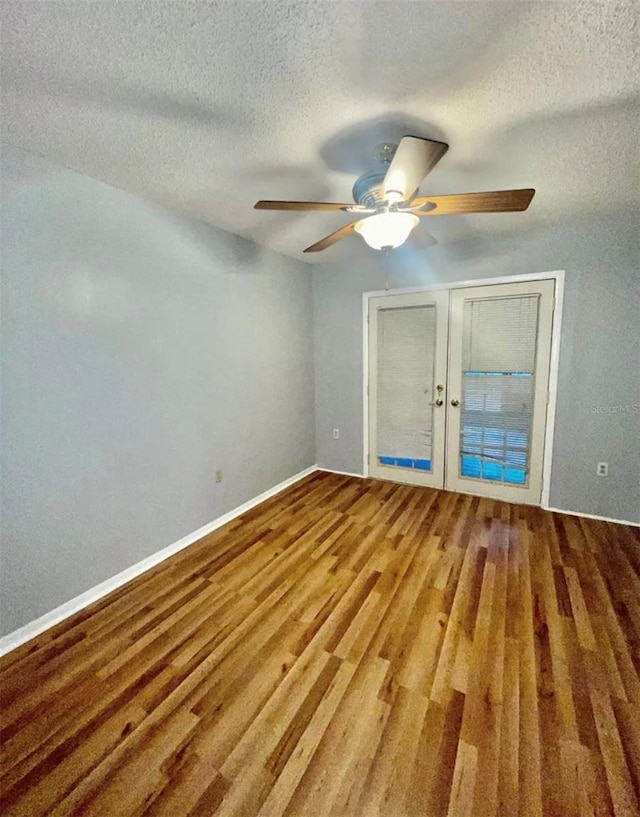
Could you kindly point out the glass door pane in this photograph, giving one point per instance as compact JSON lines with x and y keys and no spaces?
{"x":406,"y":360}
{"x":498,"y":388}
{"x":500,"y":340}
{"x":407,"y":371}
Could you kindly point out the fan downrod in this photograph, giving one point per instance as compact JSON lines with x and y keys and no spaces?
{"x":384,"y":152}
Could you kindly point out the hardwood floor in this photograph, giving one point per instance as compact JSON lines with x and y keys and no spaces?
{"x":349,"y":647}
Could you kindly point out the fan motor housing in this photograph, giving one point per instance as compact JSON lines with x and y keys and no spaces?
{"x":367,"y":189}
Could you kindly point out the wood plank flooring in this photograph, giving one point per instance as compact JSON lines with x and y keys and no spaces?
{"x":350,"y":647}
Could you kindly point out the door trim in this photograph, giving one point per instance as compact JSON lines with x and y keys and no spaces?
{"x":558,"y":277}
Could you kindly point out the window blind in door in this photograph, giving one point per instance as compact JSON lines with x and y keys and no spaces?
{"x":498,"y":387}
{"x":405,"y":372}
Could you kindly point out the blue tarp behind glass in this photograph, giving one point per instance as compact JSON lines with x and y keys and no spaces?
{"x":404,"y":462}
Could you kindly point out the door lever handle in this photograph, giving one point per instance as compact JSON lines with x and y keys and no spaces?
{"x":455,"y":403}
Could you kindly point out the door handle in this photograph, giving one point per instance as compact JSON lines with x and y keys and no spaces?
{"x":437,"y":402}
{"x":455,"y":403}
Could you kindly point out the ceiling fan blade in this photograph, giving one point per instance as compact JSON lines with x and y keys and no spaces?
{"x":496,"y":201}
{"x":305,"y":205}
{"x":333,"y":238}
{"x":413,"y":159}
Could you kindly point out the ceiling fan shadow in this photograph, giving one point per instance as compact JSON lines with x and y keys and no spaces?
{"x":446,"y":45}
{"x":601,"y":140}
{"x":128,"y":98}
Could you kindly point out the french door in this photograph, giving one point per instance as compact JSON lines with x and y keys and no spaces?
{"x":407,"y":377}
{"x":458,"y":384}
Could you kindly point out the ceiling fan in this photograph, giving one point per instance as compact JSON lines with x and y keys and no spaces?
{"x":387,"y":199}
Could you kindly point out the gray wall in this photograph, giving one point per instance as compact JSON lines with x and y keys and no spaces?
{"x":600,"y":349}
{"x":141,"y":351}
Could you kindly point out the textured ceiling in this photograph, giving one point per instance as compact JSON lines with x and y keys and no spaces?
{"x":206,"y":107}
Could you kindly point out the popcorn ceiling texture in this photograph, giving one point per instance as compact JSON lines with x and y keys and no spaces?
{"x":206,"y":107}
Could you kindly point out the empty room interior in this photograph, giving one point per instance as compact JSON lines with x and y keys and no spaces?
{"x":320,"y":376}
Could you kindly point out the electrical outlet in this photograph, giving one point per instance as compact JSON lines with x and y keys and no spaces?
{"x":336,"y":433}
{"x":602,"y":469}
{"x":218,"y":475}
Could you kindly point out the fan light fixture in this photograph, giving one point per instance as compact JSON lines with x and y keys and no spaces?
{"x":387,"y":205}
{"x":386,"y":229}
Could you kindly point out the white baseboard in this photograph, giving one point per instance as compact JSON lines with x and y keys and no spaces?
{"x":344,"y":473}
{"x":17,"y":637}
{"x":593,"y":516}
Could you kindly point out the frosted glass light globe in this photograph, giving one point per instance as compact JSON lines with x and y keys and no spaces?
{"x":386,"y":229}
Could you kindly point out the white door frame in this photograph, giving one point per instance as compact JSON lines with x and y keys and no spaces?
{"x":555,"y":275}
